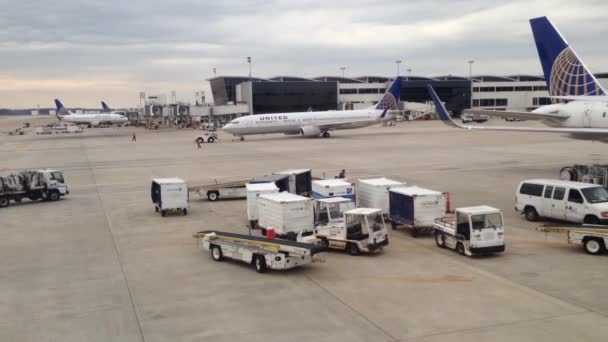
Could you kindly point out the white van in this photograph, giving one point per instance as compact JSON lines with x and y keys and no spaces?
{"x":562,"y":200}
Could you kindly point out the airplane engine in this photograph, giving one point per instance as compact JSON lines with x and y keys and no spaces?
{"x":94,"y":124}
{"x":310,"y":131}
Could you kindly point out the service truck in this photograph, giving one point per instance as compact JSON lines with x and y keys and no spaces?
{"x":471,"y":231}
{"x":593,"y":237}
{"x":40,"y":184}
{"x":170,"y":195}
{"x":358,"y":230}
{"x":260,"y":252}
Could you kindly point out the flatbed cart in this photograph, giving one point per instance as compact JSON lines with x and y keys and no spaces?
{"x":216,"y":190}
{"x":594,"y":238}
{"x":260,"y":252}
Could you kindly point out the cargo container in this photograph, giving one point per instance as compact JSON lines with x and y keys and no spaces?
{"x":169,"y":195}
{"x":281,"y":181}
{"x":373,"y":192}
{"x":328,"y":188}
{"x":253,"y":191}
{"x":416,"y":208}
{"x":288,"y":214}
{"x":300,"y":181}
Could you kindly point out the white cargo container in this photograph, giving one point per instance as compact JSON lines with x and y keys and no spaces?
{"x":328,"y":188}
{"x":253,"y":191}
{"x":287,"y":213}
{"x":373,"y":192}
{"x":169,"y":195}
{"x":415,"y":207}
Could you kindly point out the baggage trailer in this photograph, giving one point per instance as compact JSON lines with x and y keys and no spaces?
{"x":472,"y":231}
{"x":416,"y":208}
{"x":41,"y":184}
{"x":169,"y":195}
{"x":327,"y":188}
{"x":360,"y":230}
{"x":287,"y":213}
{"x":593,"y":238}
{"x":300,"y":181}
{"x":215,"y":191}
{"x":373,"y":192}
{"x":262,"y":253}
{"x":253,"y":191}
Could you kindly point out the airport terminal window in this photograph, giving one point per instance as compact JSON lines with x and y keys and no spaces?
{"x":575,"y":196}
{"x":539,"y":88}
{"x":504,"y":88}
{"x":532,"y":189}
{"x":501,"y":102}
{"x":476,"y":89}
{"x":559,"y":193}
{"x":523,"y":88}
{"x":486,"y":102}
{"x":487,"y":89}
{"x":541,"y":101}
{"x":348,"y":91}
{"x":475,"y":103}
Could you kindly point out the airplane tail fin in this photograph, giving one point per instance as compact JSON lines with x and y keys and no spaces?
{"x":106,"y":108}
{"x":564,"y":71}
{"x":61,"y":110}
{"x":390,"y":100}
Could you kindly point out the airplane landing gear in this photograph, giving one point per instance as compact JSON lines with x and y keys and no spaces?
{"x":326,"y":134}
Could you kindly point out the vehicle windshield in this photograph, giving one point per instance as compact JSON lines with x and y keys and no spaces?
{"x":486,"y":221}
{"x":57,"y":176}
{"x":596,"y":195}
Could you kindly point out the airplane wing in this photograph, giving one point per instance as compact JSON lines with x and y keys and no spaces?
{"x":447,"y":119}
{"x":348,"y":124}
{"x":516,"y":114}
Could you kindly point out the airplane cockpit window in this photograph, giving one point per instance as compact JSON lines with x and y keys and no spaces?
{"x":235,"y":122}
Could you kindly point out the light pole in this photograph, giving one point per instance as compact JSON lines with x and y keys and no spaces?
{"x":471,"y":80}
{"x":409,"y":73}
{"x":342,"y":68}
{"x":398,"y":62}
{"x":214,"y":72}
{"x":249,"y":61}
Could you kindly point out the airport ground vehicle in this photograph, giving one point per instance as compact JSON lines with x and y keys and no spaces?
{"x":215,"y":191}
{"x":262,"y":253}
{"x":43,"y":130}
{"x":466,"y":118}
{"x":300,"y":181}
{"x":360,"y":230}
{"x":562,"y":200}
{"x":207,"y":137}
{"x":288,"y":214}
{"x":326,"y":188}
{"x":253,"y":191}
{"x":593,"y":238}
{"x":373,"y":192}
{"x":593,"y":173}
{"x":415,"y":207}
{"x":41,"y":184}
{"x":169,"y":195}
{"x":472,"y":231}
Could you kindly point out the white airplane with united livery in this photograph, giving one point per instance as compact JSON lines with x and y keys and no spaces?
{"x":91,"y":120}
{"x":315,"y":124}
{"x":580,"y":108}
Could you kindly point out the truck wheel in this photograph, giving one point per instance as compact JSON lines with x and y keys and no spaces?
{"x":414,"y":232}
{"x":531,"y":214}
{"x":185,"y":212}
{"x":163,"y":213}
{"x":210,"y":140}
{"x":260,"y":264}
{"x":590,"y":219}
{"x":53,"y":196}
{"x":352,"y":249}
{"x":4,"y":202}
{"x":213,"y":196}
{"x":393,"y":225}
{"x":216,"y":253}
{"x":568,"y":174}
{"x":253,"y":224}
{"x":594,"y":246}
{"x":323,"y":243}
{"x":156,"y":209}
{"x":460,"y":248}
{"x":291,"y":236}
{"x":440,"y":239}
{"x":200,"y":140}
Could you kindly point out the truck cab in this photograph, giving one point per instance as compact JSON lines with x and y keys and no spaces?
{"x":330,"y":211}
{"x":473,"y":230}
{"x":360,"y":230}
{"x":53,"y":180}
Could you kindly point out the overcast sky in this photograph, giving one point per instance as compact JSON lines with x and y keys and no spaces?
{"x":85,"y":51}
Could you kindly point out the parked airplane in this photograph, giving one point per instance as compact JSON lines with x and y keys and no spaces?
{"x":584,"y":117}
{"x":314,"y":124}
{"x":105,"y":108}
{"x":89,"y":119}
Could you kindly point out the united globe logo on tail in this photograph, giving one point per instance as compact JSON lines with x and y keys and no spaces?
{"x":390,"y":100}
{"x":569,"y":77}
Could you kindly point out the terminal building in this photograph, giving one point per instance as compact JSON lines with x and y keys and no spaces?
{"x":283,"y":94}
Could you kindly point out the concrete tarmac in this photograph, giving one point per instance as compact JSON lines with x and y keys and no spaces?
{"x":101,"y":265}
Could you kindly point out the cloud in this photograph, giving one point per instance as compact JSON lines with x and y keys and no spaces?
{"x":114,"y":49}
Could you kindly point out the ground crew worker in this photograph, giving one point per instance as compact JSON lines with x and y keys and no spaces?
{"x":134,"y":137}
{"x":342,"y":174}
